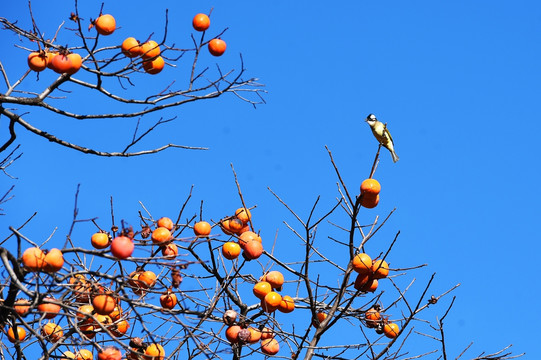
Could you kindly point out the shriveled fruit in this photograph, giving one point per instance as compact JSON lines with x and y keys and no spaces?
{"x":161,"y":235}
{"x":201,"y":22}
{"x":168,"y":300}
{"x":166,"y":223}
{"x":253,"y":250}
{"x":33,"y":259}
{"x":202,"y":228}
{"x":231,"y":250}
{"x":370,"y":187}
{"x":271,"y":301}
{"x":104,"y":304}
{"x":154,"y":66}
{"x":49,"y":309}
{"x":122,"y":247}
{"x":37,"y":61}
{"x":100,"y":240}
{"x":232,"y":333}
{"x":261,"y":289}
{"x":380,"y":269}
{"x":275,"y":278}
{"x":170,"y":250}
{"x":230,"y":316}
{"x":391,"y":330}
{"x":150,"y":49}
{"x":217,"y":47}
{"x":243,"y":215}
{"x":244,"y":336}
{"x":131,"y":47}
{"x":270,"y":346}
{"x":19,"y":335}
{"x":109,"y":353}
{"x":362,"y":263}
{"x":105,"y":24}
{"x":154,"y":352}
{"x":52,"y":332}
{"x":287,"y":304}
{"x":53,"y":261}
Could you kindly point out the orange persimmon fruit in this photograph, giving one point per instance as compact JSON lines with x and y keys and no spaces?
{"x":161,"y":235}
{"x":253,"y":250}
{"x":33,"y":259}
{"x":391,"y":330}
{"x":131,"y":47}
{"x":166,"y":223}
{"x":231,"y":250}
{"x":380,"y":269}
{"x":270,"y":346}
{"x":202,"y":228}
{"x":261,"y":289}
{"x":20,"y":336}
{"x":217,"y":47}
{"x":105,"y":24}
{"x":100,"y":240}
{"x":154,"y":66}
{"x":150,"y":49}
{"x":53,"y":260}
{"x":201,"y":22}
{"x":37,"y":61}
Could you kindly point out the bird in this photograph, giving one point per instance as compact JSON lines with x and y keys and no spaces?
{"x":382,"y":134}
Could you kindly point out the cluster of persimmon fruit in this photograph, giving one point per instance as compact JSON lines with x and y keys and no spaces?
{"x":368,"y":273}
{"x":244,"y":240}
{"x":370,"y":189}
{"x":266,"y":290}
{"x":98,"y":308}
{"x":67,"y":62}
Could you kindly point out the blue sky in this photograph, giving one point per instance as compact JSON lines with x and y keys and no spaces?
{"x":456,"y":82}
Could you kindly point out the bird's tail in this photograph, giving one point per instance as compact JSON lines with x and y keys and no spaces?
{"x":395,"y":157}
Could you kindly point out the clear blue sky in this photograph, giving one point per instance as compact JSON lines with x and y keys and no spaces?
{"x":457,"y":82}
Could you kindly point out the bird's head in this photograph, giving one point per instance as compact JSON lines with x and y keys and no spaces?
{"x":371,"y":119}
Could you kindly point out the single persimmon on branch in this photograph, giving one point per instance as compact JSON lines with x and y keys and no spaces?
{"x":192,"y":286}
{"x":115,"y":76}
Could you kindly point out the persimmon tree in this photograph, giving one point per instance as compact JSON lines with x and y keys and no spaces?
{"x":110,"y":74}
{"x":196,"y":284}
{"x":200,"y":286}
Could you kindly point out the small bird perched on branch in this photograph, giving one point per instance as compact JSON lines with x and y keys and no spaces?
{"x":382,"y":134}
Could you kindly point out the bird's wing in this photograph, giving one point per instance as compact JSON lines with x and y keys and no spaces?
{"x":388,"y":133}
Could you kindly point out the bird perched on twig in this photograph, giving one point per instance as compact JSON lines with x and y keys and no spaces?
{"x":382,"y":134}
